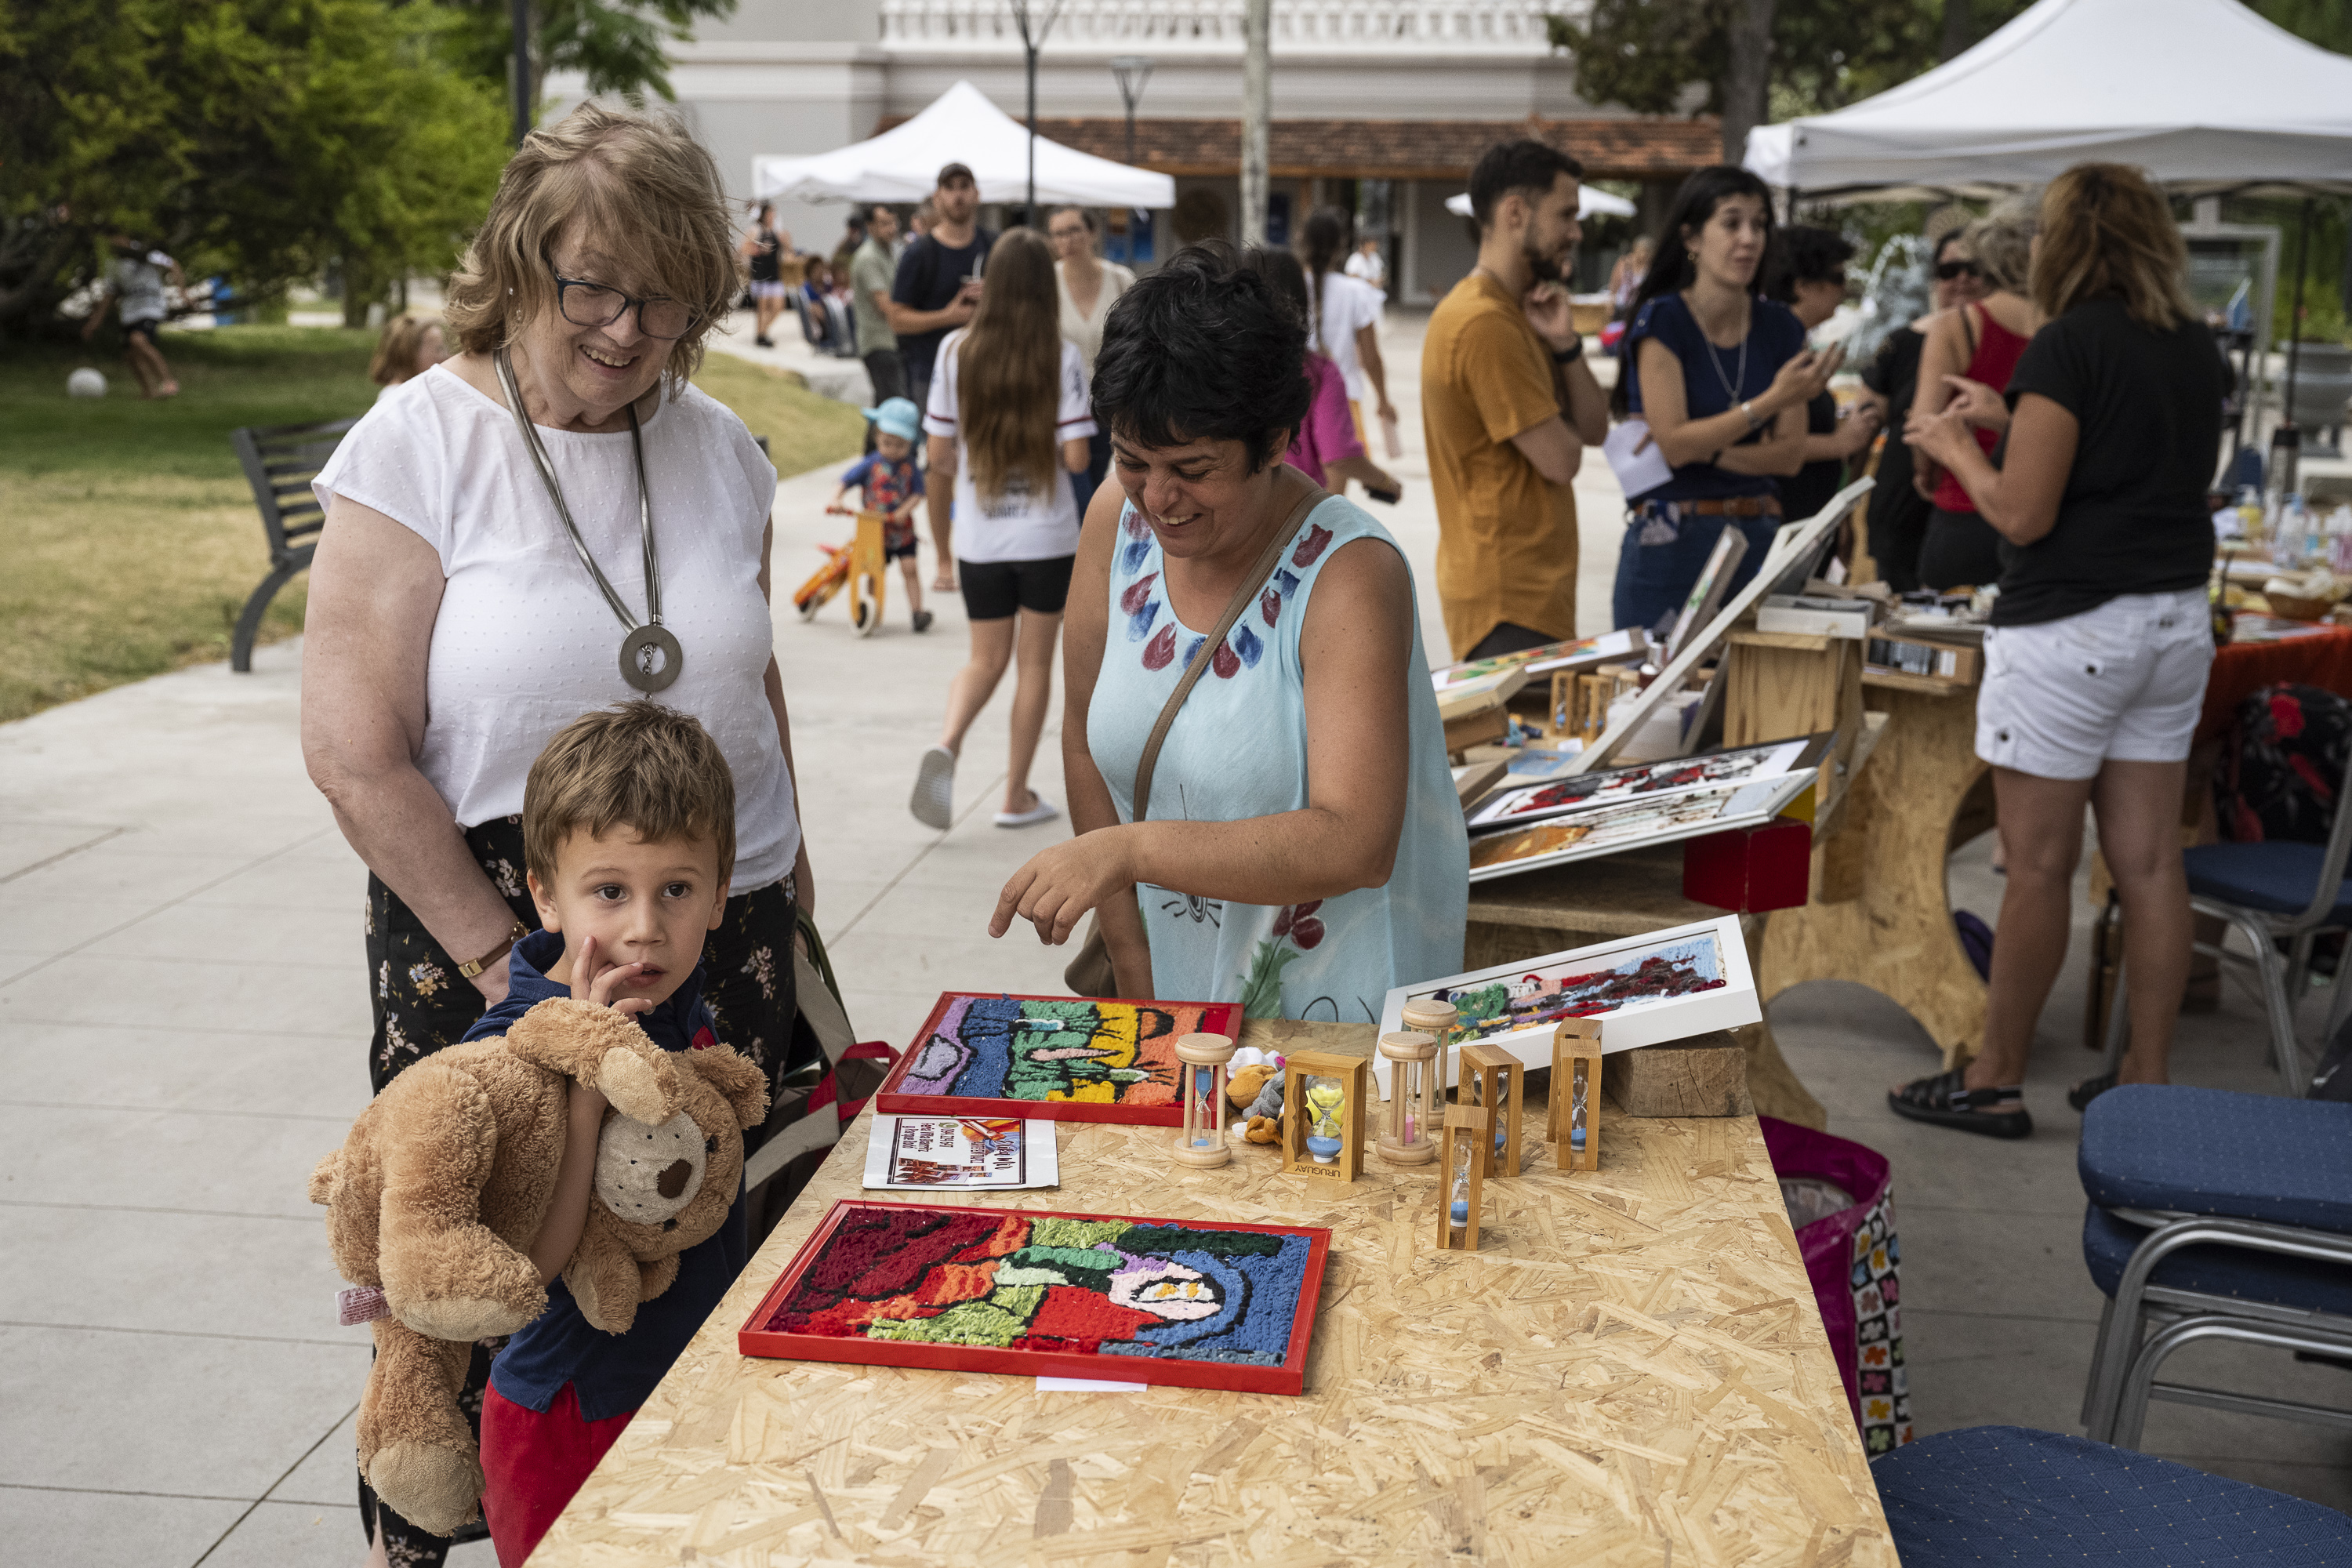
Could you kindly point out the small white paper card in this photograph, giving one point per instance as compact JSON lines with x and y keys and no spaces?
{"x":1639,"y":471}
{"x":925,"y":1153}
{"x":1086,"y":1385}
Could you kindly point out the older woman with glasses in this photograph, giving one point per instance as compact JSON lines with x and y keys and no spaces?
{"x":553,"y":521}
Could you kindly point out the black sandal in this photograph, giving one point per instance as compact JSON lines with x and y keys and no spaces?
{"x":1944,"y":1101}
{"x":2089,"y":1089}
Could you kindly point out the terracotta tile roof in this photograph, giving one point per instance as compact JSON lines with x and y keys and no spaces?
{"x":1622,"y":149}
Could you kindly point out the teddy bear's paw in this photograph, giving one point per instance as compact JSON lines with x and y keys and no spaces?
{"x":465,"y":1318}
{"x":1264,"y":1130}
{"x":436,"y":1488}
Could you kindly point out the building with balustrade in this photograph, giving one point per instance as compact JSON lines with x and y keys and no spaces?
{"x":1382,"y":105}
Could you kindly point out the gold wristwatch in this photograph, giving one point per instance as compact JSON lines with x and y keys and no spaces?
{"x":514,"y":935}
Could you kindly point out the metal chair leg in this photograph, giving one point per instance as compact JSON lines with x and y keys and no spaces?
{"x":2118,"y":1021}
{"x":2140,"y":1385}
{"x":248,"y":624}
{"x":2101,"y":1349}
{"x":2279,"y":1007}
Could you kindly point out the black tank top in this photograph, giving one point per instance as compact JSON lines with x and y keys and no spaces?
{"x":763,"y":260}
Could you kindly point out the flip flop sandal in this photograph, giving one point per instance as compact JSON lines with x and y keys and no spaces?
{"x":2089,"y":1089}
{"x":934,"y":793}
{"x":1945,"y":1101}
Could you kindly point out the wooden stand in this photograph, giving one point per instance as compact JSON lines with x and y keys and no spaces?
{"x":1203,"y":1141}
{"x":1580,"y":702}
{"x":1416,"y":1098}
{"x":1351,"y":1077}
{"x":1465,"y":1138}
{"x":1496,"y":1080}
{"x":1574,"y":1125}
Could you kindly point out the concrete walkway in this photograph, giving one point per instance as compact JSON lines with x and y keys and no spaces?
{"x":184,"y":1013}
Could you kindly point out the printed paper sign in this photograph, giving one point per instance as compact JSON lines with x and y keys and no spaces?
{"x":978,"y":1154}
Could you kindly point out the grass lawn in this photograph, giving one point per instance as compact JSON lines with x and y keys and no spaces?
{"x":131,"y":536}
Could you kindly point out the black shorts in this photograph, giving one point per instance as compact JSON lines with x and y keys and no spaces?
{"x":141,"y":329}
{"x":898,"y":552}
{"x":993,"y":590}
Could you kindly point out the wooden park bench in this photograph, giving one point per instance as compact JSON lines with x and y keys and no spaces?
{"x":279,"y":462}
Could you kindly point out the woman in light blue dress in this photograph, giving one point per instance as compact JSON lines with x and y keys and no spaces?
{"x":1302,"y":850}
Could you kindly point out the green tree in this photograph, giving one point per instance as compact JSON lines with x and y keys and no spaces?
{"x":619,"y":48}
{"x":258,"y":139}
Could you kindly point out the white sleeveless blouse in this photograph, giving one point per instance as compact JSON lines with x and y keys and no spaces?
{"x":524,"y":643}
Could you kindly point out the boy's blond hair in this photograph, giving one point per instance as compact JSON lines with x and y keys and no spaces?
{"x":640,"y":765}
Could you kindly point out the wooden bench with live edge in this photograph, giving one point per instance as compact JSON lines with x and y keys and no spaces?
{"x":1629,"y":1368}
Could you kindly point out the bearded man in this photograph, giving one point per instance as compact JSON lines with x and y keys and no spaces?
{"x":1508,"y":406}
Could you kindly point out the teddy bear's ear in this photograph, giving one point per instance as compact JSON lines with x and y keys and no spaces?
{"x":744,"y":1085}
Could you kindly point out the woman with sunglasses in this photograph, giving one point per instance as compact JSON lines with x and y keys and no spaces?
{"x":1899,"y":514}
{"x":1970,"y":357}
{"x":552,"y":522}
{"x":1808,"y":275}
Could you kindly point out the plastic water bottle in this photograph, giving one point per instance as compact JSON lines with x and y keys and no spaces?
{"x":2291,"y":536}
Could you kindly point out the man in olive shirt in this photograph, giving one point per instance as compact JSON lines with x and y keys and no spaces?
{"x":1508,"y":406}
{"x":871,"y":272}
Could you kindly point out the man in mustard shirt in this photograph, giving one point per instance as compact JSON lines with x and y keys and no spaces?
{"x":1508,"y":406}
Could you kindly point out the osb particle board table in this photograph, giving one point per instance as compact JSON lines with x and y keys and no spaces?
{"x":1631,"y":1359}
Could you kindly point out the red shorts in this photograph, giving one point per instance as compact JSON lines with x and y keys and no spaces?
{"x":532,"y":1463}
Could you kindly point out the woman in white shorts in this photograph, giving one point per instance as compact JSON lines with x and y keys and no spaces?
{"x":2097,"y":658}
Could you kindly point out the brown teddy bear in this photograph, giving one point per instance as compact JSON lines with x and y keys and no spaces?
{"x":439,"y":1190}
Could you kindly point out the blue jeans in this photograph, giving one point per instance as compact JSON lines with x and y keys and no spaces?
{"x":1657,"y":577}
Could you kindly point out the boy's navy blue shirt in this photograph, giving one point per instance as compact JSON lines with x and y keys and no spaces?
{"x":612,"y":1374}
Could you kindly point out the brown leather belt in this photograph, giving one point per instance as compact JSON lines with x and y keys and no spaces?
{"x":1730,"y":506}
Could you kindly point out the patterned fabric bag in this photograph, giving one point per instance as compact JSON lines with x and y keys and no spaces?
{"x":2282,"y":764}
{"x":1851,"y":1259}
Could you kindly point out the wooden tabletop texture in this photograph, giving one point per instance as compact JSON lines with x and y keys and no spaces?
{"x":1630,"y":1370}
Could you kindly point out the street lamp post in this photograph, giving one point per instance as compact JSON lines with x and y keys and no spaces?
{"x":519,"y":18}
{"x":1034,"y":20}
{"x":1131,"y":72}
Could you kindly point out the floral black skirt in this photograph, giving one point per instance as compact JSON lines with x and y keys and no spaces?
{"x":421,"y":1004}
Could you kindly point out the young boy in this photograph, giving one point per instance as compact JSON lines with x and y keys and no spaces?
{"x":888,"y":482}
{"x":628,"y":823}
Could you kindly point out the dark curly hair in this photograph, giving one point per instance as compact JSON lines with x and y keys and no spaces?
{"x":1802,"y":254}
{"x":1203,"y":350}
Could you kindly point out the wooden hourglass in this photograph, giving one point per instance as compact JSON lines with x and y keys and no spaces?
{"x":1438,"y":1020}
{"x":1323,"y":1106}
{"x":1416,"y":1098}
{"x":1205,"y":1057}
{"x":1494,"y":1080}
{"x":1574,"y":1123}
{"x":1464,"y":1195}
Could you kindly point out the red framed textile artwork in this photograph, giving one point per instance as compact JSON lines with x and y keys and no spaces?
{"x":1036,"y":1293}
{"x":1056,"y":1058}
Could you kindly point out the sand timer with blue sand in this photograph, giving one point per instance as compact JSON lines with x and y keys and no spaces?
{"x":1203,"y":1061}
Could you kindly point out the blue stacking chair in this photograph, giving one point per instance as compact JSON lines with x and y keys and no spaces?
{"x":2271,"y":892}
{"x":2213,"y":1215}
{"x":2006,"y":1494}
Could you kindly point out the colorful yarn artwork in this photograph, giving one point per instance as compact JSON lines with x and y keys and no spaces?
{"x":1048,"y":1051}
{"x":1002,"y":1281}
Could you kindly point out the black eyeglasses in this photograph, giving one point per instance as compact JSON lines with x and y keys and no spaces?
{"x":592,"y":305}
{"x":1947,"y":271}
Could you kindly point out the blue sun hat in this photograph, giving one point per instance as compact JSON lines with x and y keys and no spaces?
{"x":898,"y":417}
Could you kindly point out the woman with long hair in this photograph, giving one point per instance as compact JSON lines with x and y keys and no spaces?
{"x":1325,"y":446}
{"x":1345,"y":315}
{"x":763,"y":250}
{"x":1722,"y":376}
{"x":2097,"y":658}
{"x":1899,"y":514}
{"x":1970,"y":357}
{"x":411,"y":345}
{"x":1090,"y":287}
{"x":1008,"y":424}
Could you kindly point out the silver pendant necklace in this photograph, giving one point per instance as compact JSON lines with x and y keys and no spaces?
{"x":650,"y":656}
{"x":1731,"y":384}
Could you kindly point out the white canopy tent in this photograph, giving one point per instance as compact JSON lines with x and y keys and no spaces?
{"x":1588,"y":202}
{"x":2204,"y":94}
{"x":960,"y":126}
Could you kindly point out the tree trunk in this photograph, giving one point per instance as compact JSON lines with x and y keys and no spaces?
{"x":1959,"y":29}
{"x":1748,"y":77}
{"x":1257,"y":101}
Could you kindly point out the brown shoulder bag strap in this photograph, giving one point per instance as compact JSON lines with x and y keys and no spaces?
{"x":1243,"y":597}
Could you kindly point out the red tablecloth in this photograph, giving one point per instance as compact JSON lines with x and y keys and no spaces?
{"x":2323,"y":659}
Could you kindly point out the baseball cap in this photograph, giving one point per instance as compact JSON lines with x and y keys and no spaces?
{"x":897,"y":417}
{"x":955,"y":171}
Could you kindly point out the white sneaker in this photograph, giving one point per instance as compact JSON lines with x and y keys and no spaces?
{"x":934,"y":798}
{"x":1044,"y":811}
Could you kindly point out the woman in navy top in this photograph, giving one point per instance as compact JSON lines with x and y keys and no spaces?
{"x":1723,"y":377}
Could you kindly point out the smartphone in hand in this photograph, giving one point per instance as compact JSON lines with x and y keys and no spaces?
{"x":1391,"y":497}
